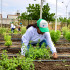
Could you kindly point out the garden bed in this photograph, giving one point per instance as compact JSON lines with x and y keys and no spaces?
{"x":17,"y":49}
{"x":52,"y":65}
{"x":61,"y":63}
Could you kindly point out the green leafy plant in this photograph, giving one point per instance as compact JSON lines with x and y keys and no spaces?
{"x":2,"y":30}
{"x":67,"y":36}
{"x":23,"y":30}
{"x":55,"y":36}
{"x":15,"y":63}
{"x":9,"y":31}
{"x":8,"y":43}
{"x":64,"y":31}
{"x":16,"y":31}
{"x":38,"y":52}
{"x":69,"y":27}
{"x":7,"y":39}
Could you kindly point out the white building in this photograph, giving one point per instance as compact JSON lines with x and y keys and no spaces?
{"x":10,"y":18}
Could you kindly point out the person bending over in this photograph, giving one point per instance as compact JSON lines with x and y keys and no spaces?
{"x":36,"y":32}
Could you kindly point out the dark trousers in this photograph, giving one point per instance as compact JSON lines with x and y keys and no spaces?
{"x":40,"y":44}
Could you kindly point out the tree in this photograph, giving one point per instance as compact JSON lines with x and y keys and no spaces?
{"x":34,"y":13}
{"x":68,"y":22}
{"x":23,"y":16}
{"x":63,"y":21}
{"x":46,"y":14}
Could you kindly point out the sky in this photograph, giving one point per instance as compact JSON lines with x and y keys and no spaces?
{"x":11,"y":6}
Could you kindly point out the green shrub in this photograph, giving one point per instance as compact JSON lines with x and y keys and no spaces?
{"x":69,"y":27}
{"x":9,"y":31}
{"x":2,"y":30}
{"x":7,"y":37}
{"x":55,"y":36}
{"x":16,"y":31}
{"x":23,"y":30}
{"x":67,"y":36}
{"x":64,"y":31}
{"x":8,"y":43}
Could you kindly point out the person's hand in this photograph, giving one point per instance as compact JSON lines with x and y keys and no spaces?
{"x":55,"y":55}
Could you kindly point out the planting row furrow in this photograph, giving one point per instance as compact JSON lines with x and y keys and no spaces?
{"x":14,"y":43}
{"x":61,"y":41}
{"x":16,"y":49}
{"x":60,"y":57}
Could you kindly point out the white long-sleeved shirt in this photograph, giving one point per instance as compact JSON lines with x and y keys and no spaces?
{"x":33,"y":36}
{"x":12,"y":26}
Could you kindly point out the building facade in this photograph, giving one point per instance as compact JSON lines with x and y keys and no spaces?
{"x":10,"y":18}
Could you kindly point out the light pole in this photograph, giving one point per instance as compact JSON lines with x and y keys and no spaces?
{"x":28,"y":18}
{"x":1,"y":13}
{"x":56,"y":18}
{"x":66,"y":11}
{"x":41,"y":8}
{"x":66,"y":8}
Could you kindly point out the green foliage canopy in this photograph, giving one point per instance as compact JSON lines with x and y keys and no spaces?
{"x":34,"y":13}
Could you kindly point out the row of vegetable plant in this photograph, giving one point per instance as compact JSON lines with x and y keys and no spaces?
{"x":15,"y":63}
{"x":8,"y":30}
{"x":7,"y":39}
{"x":24,"y":63}
{"x":66,"y":33}
{"x":54,"y":35}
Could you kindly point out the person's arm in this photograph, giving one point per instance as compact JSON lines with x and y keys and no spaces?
{"x":50,"y":44}
{"x":25,"y":40}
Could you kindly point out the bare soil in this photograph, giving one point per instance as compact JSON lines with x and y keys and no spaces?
{"x":52,"y":65}
{"x":62,"y":45}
